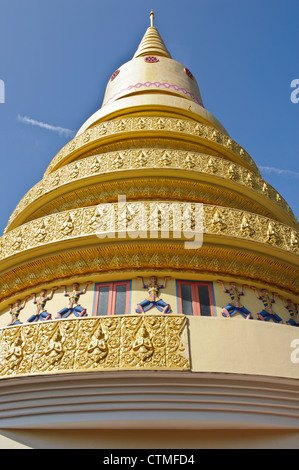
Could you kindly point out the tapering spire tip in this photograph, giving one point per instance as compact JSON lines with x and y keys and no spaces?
{"x":152,"y":18}
{"x":152,"y":43}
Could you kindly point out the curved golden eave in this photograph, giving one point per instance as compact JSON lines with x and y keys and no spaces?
{"x":185,"y":131}
{"x":90,"y":182}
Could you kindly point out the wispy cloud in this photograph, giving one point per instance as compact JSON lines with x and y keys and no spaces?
{"x":44,"y":125}
{"x":279,"y":171}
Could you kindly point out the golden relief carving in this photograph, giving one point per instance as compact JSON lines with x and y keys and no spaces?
{"x":218,"y":222}
{"x":246,"y":225}
{"x":149,"y":158}
{"x":180,"y":126}
{"x":96,"y":343}
{"x":151,"y":123}
{"x":166,"y":159}
{"x":55,"y":179}
{"x":143,"y":256}
{"x":14,"y":355}
{"x":96,"y":165}
{"x":198,"y":130}
{"x":98,"y":348}
{"x":231,"y":172}
{"x":294,"y":239}
{"x":141,"y":123}
{"x":142,"y":159}
{"x":189,"y":161}
{"x":41,"y":232}
{"x":249,"y":181}
{"x":161,"y":123}
{"x":86,"y":136}
{"x":122,"y":125}
{"x":74,"y":171}
{"x":142,"y":346}
{"x":18,"y":345}
{"x":55,"y":350}
{"x":272,"y":235}
{"x":82,"y":221}
{"x":67,"y":226}
{"x":16,"y":242}
{"x":118,"y":162}
{"x":265,"y":189}
{"x":102,"y":130}
{"x":212,"y":165}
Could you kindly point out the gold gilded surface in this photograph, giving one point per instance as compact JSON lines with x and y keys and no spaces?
{"x":135,"y":257}
{"x":151,"y":188}
{"x":96,"y":343}
{"x":145,"y":158}
{"x":107,"y":221}
{"x":163,"y":125}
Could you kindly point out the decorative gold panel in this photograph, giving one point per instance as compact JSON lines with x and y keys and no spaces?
{"x":95,"y":343}
{"x":106,"y":219}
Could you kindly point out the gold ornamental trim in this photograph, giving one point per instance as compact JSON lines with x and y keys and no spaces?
{"x":209,"y":262}
{"x":118,"y":127}
{"x":156,"y":188}
{"x":147,"y":342}
{"x":108,"y":220}
{"x":145,"y":159}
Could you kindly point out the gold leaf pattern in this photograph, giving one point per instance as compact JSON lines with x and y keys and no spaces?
{"x":96,"y":343}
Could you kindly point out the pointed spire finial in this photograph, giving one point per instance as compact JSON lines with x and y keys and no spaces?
{"x":152,"y":43}
{"x":152,"y":18}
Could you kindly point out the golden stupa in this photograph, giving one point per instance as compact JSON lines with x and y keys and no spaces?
{"x":149,"y":282}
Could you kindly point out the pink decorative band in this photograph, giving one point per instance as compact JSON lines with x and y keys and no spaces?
{"x":157,"y":85}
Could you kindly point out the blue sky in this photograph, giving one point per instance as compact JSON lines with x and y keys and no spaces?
{"x":56,"y":57}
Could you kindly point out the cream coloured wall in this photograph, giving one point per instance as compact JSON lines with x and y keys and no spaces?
{"x":243,"y":347}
